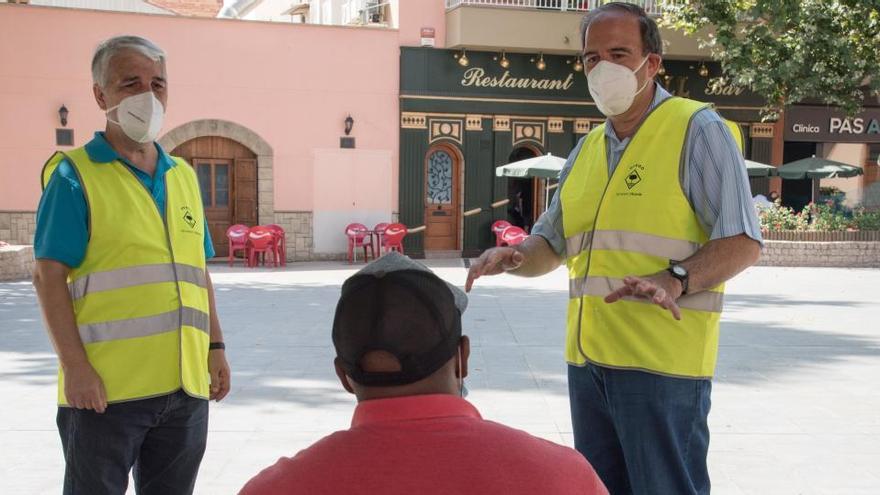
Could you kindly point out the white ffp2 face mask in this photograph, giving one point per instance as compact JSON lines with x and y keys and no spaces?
{"x":614,"y":86}
{"x":140,"y":116}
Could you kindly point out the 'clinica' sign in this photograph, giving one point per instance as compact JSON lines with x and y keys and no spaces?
{"x":822,"y":124}
{"x":802,"y":128}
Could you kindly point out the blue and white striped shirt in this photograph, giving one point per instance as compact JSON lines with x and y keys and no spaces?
{"x":716,"y":182}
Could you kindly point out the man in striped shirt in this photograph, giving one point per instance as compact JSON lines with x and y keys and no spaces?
{"x":643,"y":429}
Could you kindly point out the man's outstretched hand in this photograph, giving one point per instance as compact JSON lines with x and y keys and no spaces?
{"x":492,"y":262}
{"x":661,"y":289}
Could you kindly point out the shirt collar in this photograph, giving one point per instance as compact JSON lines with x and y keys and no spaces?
{"x":660,"y":94}
{"x":100,"y":151}
{"x":412,"y":407}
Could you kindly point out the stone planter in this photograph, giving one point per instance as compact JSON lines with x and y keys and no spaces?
{"x":16,"y":262}
{"x":822,"y":249}
{"x":794,"y":235}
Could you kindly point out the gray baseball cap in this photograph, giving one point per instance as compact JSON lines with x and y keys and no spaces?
{"x":399,"y":306}
{"x":395,"y":261}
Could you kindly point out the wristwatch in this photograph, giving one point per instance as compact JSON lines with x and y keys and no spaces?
{"x":680,"y":273}
{"x":216,"y":345}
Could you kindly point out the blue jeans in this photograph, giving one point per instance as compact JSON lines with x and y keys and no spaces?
{"x":163,"y":438}
{"x":643,"y":433}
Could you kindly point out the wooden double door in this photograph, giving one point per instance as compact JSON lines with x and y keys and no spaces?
{"x":227,"y":174}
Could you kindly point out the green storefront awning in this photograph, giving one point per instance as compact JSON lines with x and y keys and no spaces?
{"x":756,"y":169}
{"x":817,"y":168}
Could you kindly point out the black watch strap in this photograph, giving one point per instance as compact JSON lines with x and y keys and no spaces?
{"x":216,"y":345}
{"x":683,"y":279}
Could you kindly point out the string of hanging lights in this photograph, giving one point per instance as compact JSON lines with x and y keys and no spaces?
{"x":576,"y":63}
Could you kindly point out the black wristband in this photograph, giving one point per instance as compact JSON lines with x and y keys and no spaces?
{"x":216,"y":345}
{"x":681,"y":274}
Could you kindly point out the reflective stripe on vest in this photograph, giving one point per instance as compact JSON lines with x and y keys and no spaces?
{"x":144,"y":327}
{"x":639,"y":242}
{"x":140,"y":294}
{"x":133,"y":276}
{"x":636,"y":222}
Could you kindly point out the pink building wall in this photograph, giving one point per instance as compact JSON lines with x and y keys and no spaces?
{"x":293,"y":85}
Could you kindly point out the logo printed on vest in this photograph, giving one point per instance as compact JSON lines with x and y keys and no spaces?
{"x":188,"y":217}
{"x":633,"y":177}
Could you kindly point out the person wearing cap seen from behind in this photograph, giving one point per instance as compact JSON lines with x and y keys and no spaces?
{"x":401,"y":352}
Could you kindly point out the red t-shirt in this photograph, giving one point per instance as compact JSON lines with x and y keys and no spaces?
{"x":428,"y":444}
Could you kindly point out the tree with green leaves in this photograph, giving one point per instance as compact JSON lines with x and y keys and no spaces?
{"x":789,"y":51}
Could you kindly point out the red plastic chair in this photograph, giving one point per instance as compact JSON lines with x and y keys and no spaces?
{"x":357,"y":234}
{"x":497,"y":228}
{"x":379,"y":232}
{"x":261,"y":240}
{"x":238,"y":236}
{"x":392,"y":238}
{"x":280,"y":243}
{"x":513,"y":235}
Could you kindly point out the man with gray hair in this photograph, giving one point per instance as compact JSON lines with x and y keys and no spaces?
{"x":121,"y":246}
{"x":654,"y":213}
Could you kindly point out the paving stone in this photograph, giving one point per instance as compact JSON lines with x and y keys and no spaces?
{"x":795,"y":398}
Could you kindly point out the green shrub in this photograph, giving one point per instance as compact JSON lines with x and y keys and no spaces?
{"x":822,"y":217}
{"x":864,"y":220}
{"x":778,"y":217}
{"x":825,"y":217}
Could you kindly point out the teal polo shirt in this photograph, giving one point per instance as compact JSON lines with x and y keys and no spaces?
{"x":62,"y":231}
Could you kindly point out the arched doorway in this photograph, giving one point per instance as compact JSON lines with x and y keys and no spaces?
{"x":442,"y":185}
{"x":227,"y":174}
{"x":525,"y":194}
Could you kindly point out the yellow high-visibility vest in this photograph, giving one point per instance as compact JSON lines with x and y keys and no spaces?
{"x":636,"y":222}
{"x":140,"y":295}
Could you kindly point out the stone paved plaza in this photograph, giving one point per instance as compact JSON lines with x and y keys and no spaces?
{"x":796,"y":406}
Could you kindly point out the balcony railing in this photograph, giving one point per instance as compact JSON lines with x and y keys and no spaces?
{"x":653,"y":7}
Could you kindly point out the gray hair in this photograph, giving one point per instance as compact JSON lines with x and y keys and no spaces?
{"x":109,"y":48}
{"x":651,"y":42}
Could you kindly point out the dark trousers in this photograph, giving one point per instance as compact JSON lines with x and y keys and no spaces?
{"x":643,"y":433}
{"x":163,"y":438}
